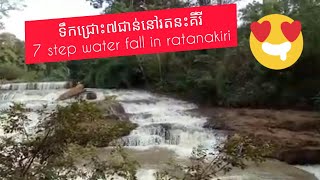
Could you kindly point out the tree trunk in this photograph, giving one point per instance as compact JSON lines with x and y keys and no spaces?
{"x":159,"y":65}
{"x":72,"y":92}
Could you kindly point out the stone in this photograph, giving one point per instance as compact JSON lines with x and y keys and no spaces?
{"x":301,"y":156}
{"x":295,"y":133}
{"x":91,"y":95}
{"x":113,"y":109}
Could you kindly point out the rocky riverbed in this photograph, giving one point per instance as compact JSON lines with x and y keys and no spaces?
{"x":296,"y":133}
{"x":167,"y":128}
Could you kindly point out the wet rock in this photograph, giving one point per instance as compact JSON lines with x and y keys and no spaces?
{"x":91,"y":95}
{"x":296,"y":134}
{"x":113,"y":109}
{"x":215,"y":124}
{"x":271,"y":169}
{"x":301,"y":156}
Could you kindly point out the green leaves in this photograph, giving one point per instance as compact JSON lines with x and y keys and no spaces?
{"x":61,"y":139}
{"x":14,"y":120}
{"x":10,"y":71}
{"x":11,"y":49}
{"x":13,"y":67}
{"x":209,"y":163}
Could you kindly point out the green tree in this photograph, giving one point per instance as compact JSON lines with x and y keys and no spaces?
{"x":229,"y":77}
{"x":6,"y":6}
{"x":12,"y":49}
{"x":52,"y":149}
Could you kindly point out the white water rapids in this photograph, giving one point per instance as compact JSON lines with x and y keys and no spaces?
{"x":162,"y":122}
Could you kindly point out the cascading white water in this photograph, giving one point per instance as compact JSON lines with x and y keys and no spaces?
{"x":162,"y":122}
{"x":34,"y":86}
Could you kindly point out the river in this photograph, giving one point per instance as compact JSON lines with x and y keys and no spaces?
{"x":165,"y":126}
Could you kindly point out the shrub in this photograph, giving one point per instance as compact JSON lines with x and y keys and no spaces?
{"x":206,"y":165}
{"x":10,"y":72}
{"x":58,"y":142}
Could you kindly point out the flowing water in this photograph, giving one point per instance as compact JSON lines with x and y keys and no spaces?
{"x":164,"y":124}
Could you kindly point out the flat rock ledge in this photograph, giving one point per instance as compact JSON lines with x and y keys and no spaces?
{"x":295,"y":133}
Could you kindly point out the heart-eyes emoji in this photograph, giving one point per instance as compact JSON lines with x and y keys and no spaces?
{"x":276,"y":41}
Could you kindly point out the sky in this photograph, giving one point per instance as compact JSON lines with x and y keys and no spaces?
{"x":46,"y":9}
{"x":49,"y":9}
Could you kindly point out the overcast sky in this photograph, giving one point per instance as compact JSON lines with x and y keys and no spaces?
{"x":48,"y":9}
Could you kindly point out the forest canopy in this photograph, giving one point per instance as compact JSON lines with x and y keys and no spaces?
{"x":224,"y":77}
{"x":228,"y":77}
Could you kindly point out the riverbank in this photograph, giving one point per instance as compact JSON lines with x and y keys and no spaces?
{"x":155,"y":159}
{"x":295,"y":133}
{"x":218,"y":119}
{"x":163,"y":124}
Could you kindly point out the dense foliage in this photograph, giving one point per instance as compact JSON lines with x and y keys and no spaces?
{"x":13,"y":67}
{"x":229,"y":77}
{"x":12,"y":54}
{"x":54,"y":147}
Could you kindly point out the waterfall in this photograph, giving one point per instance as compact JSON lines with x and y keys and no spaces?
{"x":163,"y":122}
{"x":32,"y":94}
{"x":34,"y":86}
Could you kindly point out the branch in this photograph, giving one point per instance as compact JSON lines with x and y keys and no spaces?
{"x":209,"y":166}
{"x":37,"y":151}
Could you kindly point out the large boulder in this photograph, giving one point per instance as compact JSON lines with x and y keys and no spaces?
{"x":112,"y":109}
{"x":86,"y":124}
{"x":300,"y":156}
{"x":72,"y":92}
